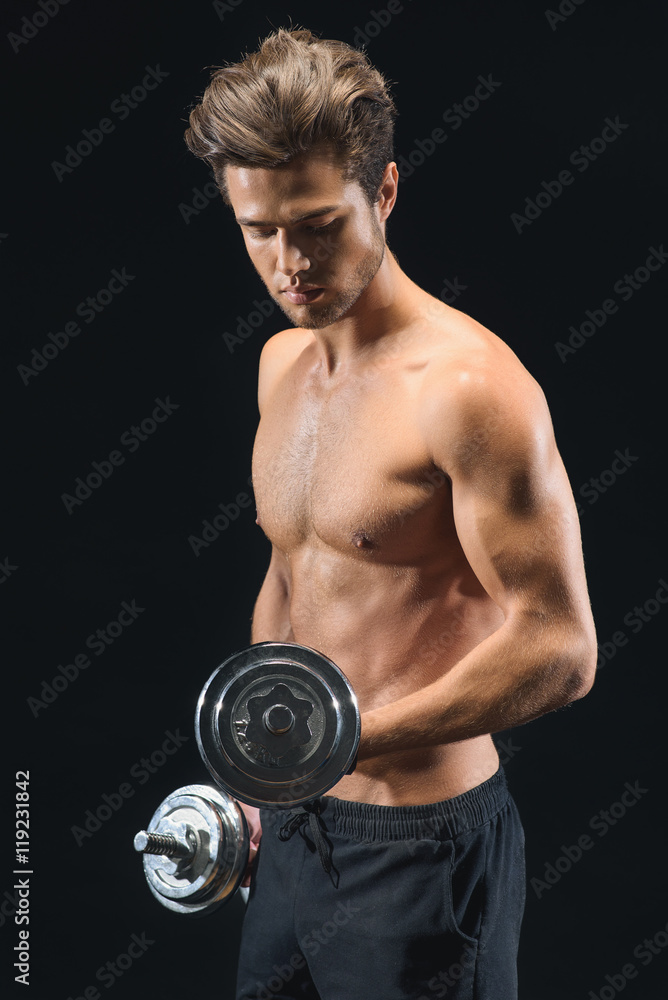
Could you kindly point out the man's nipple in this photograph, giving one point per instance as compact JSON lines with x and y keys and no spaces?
{"x":361,"y":541}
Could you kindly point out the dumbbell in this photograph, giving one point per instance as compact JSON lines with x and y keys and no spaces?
{"x":195,"y":849}
{"x":277,"y":724}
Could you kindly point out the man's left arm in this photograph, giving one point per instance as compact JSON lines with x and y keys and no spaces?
{"x":518,"y":526}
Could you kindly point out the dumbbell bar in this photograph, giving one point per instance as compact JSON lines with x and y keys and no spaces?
{"x":195,"y":849}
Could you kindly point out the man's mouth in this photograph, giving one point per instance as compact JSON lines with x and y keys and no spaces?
{"x":300,"y":298}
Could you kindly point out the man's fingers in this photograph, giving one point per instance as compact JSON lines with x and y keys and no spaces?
{"x":252,"y":814}
{"x":246,"y":881}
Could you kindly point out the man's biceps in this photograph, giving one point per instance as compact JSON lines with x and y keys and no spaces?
{"x":479,"y":514}
{"x":483,"y":536}
{"x":508,"y":552}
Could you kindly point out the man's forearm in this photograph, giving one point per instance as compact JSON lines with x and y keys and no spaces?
{"x":505,"y":681}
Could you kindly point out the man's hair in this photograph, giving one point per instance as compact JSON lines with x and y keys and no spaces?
{"x":298,"y":93}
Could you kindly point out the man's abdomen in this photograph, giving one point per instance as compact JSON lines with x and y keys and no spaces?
{"x":393,"y":631}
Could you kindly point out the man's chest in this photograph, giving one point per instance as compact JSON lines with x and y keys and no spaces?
{"x":351,"y":468}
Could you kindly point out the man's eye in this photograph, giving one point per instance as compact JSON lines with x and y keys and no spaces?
{"x":258,"y":234}
{"x":319,"y":229}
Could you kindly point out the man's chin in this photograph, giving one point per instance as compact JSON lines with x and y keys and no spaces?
{"x":311,"y":317}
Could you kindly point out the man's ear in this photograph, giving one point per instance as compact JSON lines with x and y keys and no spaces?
{"x":387,"y":193}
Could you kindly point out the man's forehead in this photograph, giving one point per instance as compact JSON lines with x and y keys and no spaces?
{"x":304,"y":179}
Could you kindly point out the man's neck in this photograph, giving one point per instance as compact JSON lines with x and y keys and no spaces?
{"x":382,"y":312}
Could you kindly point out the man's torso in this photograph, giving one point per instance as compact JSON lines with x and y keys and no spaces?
{"x":347,"y":490}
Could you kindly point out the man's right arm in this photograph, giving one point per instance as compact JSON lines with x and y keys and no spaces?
{"x":271,"y":615}
{"x":271,"y":623}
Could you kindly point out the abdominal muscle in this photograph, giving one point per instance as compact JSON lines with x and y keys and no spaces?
{"x":393,"y":631}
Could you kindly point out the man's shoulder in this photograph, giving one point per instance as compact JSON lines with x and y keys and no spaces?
{"x":476,"y":390}
{"x":278,"y":354}
{"x":472,"y":366}
{"x":287,"y":343}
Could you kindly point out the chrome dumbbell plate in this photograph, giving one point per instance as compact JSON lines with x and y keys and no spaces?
{"x":277,"y":724}
{"x":204,"y":835}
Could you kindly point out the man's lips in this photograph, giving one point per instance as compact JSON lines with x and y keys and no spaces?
{"x":299,"y":296}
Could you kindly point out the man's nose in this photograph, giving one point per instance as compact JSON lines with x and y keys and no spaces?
{"x":290,"y":256}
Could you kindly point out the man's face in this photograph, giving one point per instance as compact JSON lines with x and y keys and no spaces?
{"x":304,"y":225}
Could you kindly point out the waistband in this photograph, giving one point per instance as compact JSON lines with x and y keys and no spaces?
{"x":436,"y":820}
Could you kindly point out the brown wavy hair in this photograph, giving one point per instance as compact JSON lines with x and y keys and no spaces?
{"x":295,"y":94}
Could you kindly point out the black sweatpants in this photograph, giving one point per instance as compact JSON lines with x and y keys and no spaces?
{"x":351,"y":901}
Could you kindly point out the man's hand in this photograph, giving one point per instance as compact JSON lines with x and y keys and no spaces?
{"x":252,"y":815}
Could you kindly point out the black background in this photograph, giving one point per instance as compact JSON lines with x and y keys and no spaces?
{"x":123,"y":206}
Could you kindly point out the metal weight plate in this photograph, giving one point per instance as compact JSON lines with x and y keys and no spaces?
{"x":205,"y":839}
{"x":277,"y":724}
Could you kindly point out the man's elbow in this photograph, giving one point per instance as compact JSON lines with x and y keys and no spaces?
{"x":579,"y":670}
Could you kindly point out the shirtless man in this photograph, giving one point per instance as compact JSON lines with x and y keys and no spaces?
{"x":425,"y":538}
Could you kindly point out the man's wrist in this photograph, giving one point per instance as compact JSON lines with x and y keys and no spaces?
{"x":371,"y":738}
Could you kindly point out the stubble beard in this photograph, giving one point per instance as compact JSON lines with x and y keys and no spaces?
{"x":317,"y":316}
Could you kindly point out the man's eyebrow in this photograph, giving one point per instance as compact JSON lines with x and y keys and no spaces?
{"x":298,"y":218}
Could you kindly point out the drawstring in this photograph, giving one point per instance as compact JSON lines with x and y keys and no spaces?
{"x":310,"y":812}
